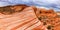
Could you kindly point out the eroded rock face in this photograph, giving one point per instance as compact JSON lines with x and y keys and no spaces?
{"x":49,"y":18}
{"x":23,"y":20}
{"x":12,"y":14}
{"x":12,"y":9}
{"x":43,"y":12}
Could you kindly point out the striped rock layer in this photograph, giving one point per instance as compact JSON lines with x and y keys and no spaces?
{"x":24,"y":20}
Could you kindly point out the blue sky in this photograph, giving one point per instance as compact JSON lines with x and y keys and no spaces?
{"x":55,"y":4}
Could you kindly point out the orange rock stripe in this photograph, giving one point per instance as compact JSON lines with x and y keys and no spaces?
{"x":28,"y":24}
{"x":21,"y":25}
{"x":32,"y":25}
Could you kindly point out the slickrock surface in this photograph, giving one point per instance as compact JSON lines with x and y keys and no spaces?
{"x":22,"y":17}
{"x":19,"y":18}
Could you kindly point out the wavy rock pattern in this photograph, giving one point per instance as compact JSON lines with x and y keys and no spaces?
{"x":24,"y":20}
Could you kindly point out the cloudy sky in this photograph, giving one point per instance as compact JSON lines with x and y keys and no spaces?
{"x":55,"y":4}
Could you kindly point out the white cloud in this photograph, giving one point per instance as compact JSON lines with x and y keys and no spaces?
{"x":3,"y":4}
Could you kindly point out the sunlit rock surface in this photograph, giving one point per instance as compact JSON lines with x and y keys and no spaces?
{"x":17,"y":17}
{"x":23,"y":18}
{"x":50,"y":19}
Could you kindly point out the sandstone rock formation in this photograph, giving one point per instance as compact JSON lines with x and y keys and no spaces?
{"x":50,"y":19}
{"x":23,"y":17}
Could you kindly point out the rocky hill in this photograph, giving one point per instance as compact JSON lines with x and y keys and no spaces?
{"x":50,"y":19}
